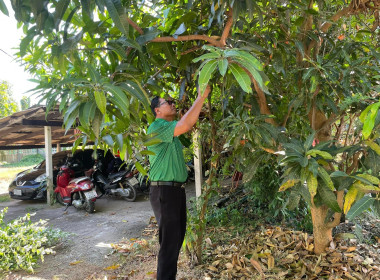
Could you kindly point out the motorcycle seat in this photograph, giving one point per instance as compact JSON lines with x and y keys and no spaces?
{"x":78,"y":180}
{"x":115,"y":175}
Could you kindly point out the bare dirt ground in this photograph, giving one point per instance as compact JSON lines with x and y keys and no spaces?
{"x":88,"y":251}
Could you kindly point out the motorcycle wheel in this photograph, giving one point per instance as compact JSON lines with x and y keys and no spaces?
{"x":90,"y":206}
{"x":132,"y":193}
{"x":59,"y":198}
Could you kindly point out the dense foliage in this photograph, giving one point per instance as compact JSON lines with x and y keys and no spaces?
{"x":7,"y":104}
{"x":281,"y":71}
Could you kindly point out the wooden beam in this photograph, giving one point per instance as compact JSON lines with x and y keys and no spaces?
{"x":49,"y":165}
{"x":31,"y":146}
{"x":14,"y":119}
{"x":41,"y":123}
{"x":197,"y":164}
{"x":36,"y":135}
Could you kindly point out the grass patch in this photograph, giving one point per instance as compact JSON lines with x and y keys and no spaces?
{"x":4,"y":198}
{"x":8,"y":173}
{"x":29,"y":160}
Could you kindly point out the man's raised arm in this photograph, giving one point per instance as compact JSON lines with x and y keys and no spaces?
{"x":191,"y":116}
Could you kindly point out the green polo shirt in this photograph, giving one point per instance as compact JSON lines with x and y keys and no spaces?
{"x":168,"y":163}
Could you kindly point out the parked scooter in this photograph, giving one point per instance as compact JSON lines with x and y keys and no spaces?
{"x":121,"y":183}
{"x":79,"y":192}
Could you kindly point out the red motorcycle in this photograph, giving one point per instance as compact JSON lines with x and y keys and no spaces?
{"x":79,"y":192}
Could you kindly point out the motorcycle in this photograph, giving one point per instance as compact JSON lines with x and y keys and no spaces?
{"x":121,"y":183}
{"x":78,"y":192}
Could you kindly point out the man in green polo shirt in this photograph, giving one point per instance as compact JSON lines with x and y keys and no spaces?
{"x":168,"y":173}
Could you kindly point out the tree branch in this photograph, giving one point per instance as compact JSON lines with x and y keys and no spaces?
{"x":287,"y":116}
{"x":355,"y":163}
{"x":262,"y":100}
{"x":206,"y":38}
{"x":227,"y":28}
{"x":325,"y":26}
{"x":135,"y":26}
{"x":337,"y":215}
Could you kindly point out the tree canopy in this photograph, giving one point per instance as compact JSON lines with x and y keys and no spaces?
{"x":287,"y":75}
{"x":7,"y":104}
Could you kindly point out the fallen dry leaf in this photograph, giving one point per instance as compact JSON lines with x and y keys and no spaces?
{"x":257,"y":265}
{"x":112,"y":267}
{"x":229,"y":265}
{"x":351,"y":249}
{"x":74,"y":263}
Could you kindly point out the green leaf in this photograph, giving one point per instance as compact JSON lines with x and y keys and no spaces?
{"x":120,"y":141}
{"x":300,"y":48}
{"x":360,"y":206}
{"x":96,"y":123}
{"x":223,"y":65}
{"x":309,"y":141}
{"x":169,"y":53}
{"x":119,"y":98}
{"x":117,"y":13}
{"x":245,"y":56}
{"x":118,"y":49}
{"x":3,"y":8}
{"x":251,"y":169}
{"x":314,"y":84}
{"x":338,"y":173}
{"x":60,"y":10}
{"x":134,"y":89}
{"x":108,"y":139}
{"x":94,"y":75}
{"x":242,"y":77}
{"x":140,"y":168}
{"x":101,"y":101}
{"x":130,"y":43}
{"x":82,"y":117}
{"x":26,"y":40}
{"x":212,"y":55}
{"x":148,"y":153}
{"x":205,"y":74}
{"x":368,"y":117}
{"x":361,"y":179}
{"x":328,"y":198}
{"x":326,"y":178}
{"x":152,"y":141}
{"x":90,"y":107}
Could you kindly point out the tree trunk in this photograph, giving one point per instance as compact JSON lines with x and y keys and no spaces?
{"x":321,"y":231}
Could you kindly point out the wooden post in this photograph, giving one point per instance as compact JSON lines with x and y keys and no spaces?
{"x":58,"y":147}
{"x":197,"y":164}
{"x":49,"y":164}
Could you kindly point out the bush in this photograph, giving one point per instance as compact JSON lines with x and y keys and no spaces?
{"x":23,"y":243}
{"x":31,"y":159}
{"x":28,"y":160}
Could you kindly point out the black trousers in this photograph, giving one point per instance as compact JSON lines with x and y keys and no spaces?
{"x":169,"y":207}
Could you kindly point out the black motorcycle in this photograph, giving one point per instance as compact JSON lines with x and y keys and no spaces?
{"x":121,"y":183}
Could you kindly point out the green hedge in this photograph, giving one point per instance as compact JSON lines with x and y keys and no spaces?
{"x":24,"y":243}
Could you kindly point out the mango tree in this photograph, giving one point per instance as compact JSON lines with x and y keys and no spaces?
{"x":295,"y":67}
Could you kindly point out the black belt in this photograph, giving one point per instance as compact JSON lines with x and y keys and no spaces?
{"x":165,"y":183}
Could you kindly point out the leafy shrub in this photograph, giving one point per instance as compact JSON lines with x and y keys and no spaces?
{"x":28,"y":160}
{"x":32,"y":159}
{"x":23,"y":243}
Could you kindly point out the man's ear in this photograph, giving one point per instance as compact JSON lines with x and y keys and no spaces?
{"x":156,"y":110}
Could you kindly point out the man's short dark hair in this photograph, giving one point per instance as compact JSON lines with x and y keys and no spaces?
{"x":154,"y":104}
